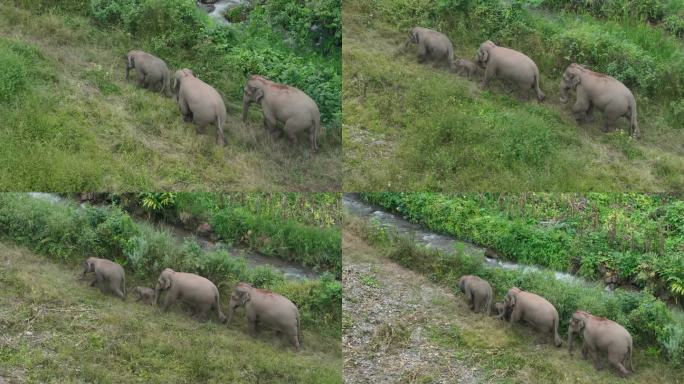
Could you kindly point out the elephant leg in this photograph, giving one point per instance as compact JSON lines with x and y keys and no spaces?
{"x":294,"y":339}
{"x":92,"y":283}
{"x":616,"y":360}
{"x":290,"y":128}
{"x":201,"y":129}
{"x":515,"y":316}
{"x":585,"y":351}
{"x":589,"y":115}
{"x":579,"y":110}
{"x":422,"y":53}
{"x":116,"y":289}
{"x":490,"y":72}
{"x":170,"y":298}
{"x":611,"y":114}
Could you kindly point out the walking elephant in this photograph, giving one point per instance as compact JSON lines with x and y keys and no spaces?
{"x":268,"y":309}
{"x":283,"y":104}
{"x":509,"y":65}
{"x":109,"y":276}
{"x":603,"y":92}
{"x":602,"y":336}
{"x":533,"y":309}
{"x":152,"y":71}
{"x":432,"y":45}
{"x":200,"y":103}
{"x":478,"y":293}
{"x":194,"y":290}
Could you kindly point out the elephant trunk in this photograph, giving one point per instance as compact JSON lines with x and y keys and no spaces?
{"x":157,"y":290}
{"x":564,"y":93}
{"x":571,"y":336}
{"x":129,"y":66}
{"x":231,"y":310}
{"x":245,"y":107}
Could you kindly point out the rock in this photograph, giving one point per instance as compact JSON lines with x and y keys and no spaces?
{"x":204,"y":229}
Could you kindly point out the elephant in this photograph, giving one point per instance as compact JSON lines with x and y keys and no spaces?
{"x":109,"y":276}
{"x":603,"y":336}
{"x":266,"y":308}
{"x":502,"y":312}
{"x":535,"y":310}
{"x":509,"y":65}
{"x":191,"y":289}
{"x":603,"y":92}
{"x":199,"y":102}
{"x":465,"y":67}
{"x":152,"y":71}
{"x":285,"y":104}
{"x":144,"y":294}
{"x":433,"y":45}
{"x":478,"y":293}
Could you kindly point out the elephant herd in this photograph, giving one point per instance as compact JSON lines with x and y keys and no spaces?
{"x":592,"y":90}
{"x":601,"y":336}
{"x":203,"y":105}
{"x":262,"y":308}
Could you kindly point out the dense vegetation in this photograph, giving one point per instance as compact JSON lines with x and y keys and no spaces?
{"x":68,"y":233}
{"x":433,"y":130}
{"x":74,"y":123}
{"x":653,"y":326}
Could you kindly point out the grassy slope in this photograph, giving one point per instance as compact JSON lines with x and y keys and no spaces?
{"x":483,"y":344}
{"x":87,"y":129}
{"x":413,"y":127}
{"x":56,"y":329}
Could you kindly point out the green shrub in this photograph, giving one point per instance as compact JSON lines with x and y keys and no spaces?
{"x":12,"y":76}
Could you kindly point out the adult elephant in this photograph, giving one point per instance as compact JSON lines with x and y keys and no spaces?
{"x":200,"y":103}
{"x":152,"y":71}
{"x":109,"y":276}
{"x":285,"y":104}
{"x":603,"y":92}
{"x":191,"y":289}
{"x":602,"y":336}
{"x":533,"y":309}
{"x":432,"y":45}
{"x":266,"y":308}
{"x":478,"y":293}
{"x":509,"y":65}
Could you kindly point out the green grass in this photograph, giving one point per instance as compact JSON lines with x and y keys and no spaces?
{"x":413,"y":127}
{"x":56,"y":329}
{"x":71,"y":122}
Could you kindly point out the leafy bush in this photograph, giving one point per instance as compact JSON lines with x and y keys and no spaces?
{"x":12,"y":76}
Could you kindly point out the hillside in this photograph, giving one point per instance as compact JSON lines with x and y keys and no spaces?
{"x":409,"y":126}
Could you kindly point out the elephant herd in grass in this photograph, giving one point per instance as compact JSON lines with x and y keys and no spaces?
{"x":601,"y":336}
{"x":202,"y":104}
{"x":592,"y":90}
{"x":262,"y":308}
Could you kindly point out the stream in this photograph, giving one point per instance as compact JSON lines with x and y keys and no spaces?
{"x":291,"y":271}
{"x":217,"y":10}
{"x":357,"y":207}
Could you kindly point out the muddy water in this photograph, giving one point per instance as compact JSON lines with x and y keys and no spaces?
{"x":357,"y":207}
{"x":291,"y":271}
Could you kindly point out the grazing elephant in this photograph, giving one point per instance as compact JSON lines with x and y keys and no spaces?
{"x":465,"y":67}
{"x":268,"y":309}
{"x":152,"y":71}
{"x":478,"y":293}
{"x":285,"y":104}
{"x":605,"y":93}
{"x":535,"y":310}
{"x":604,"y":336}
{"x":109,"y":276}
{"x":502,"y":312}
{"x":144,"y":294}
{"x":200,"y":103}
{"x":194,"y":290}
{"x":432,"y":45}
{"x":509,"y":65}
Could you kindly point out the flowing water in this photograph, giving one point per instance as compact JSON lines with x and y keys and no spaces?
{"x":357,"y":207}
{"x":219,"y":9}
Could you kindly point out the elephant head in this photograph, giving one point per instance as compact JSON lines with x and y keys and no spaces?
{"x":577,"y":324}
{"x":253,"y":93}
{"x":130,"y":62}
{"x":240,"y":296}
{"x":88,"y":266}
{"x":482,"y":55}
{"x":178,"y":77}
{"x":570,"y":80}
{"x":511,"y":298}
{"x":163,"y":283}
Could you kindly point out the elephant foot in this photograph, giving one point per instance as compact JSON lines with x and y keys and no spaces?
{"x":187,"y":118}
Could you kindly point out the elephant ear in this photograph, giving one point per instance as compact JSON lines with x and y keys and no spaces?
{"x":575,"y":79}
{"x":485,"y":56}
{"x":414,"y":37}
{"x":245,"y":297}
{"x":258,"y":94}
{"x":165,"y":282}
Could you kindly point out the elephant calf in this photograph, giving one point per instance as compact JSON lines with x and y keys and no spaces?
{"x":533,"y":309}
{"x":604,"y":336}
{"x":194,"y":290}
{"x":502,"y":312}
{"x":146,"y":295}
{"x":466,"y":68}
{"x":432,"y":45}
{"x":478,"y":293}
{"x":152,"y":71}
{"x":269,"y":309}
{"x":200,"y":103}
{"x":109,"y":276}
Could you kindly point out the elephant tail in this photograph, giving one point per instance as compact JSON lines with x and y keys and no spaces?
{"x":490,"y":302}
{"x":317,"y":130}
{"x":556,"y":337}
{"x":631,"y":367}
{"x":166,"y":80}
{"x":633,"y":123}
{"x":299,"y":331}
{"x":540,"y":94}
{"x":450,"y":58}
{"x":123,"y":285}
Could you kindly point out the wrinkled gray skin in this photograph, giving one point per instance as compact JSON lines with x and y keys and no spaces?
{"x":283,"y":104}
{"x":478,"y":293}
{"x":144,"y":294}
{"x":152,"y":71}
{"x":602,"y":336}
{"x":511,"y":66}
{"x":200,"y":294}
{"x":109,"y":276}
{"x":432,"y":45}
{"x":605,"y":93}
{"x":502,"y":312}
{"x":534,"y":310}
{"x":200,"y":103}
{"x":467,"y":68}
{"x":268,"y":309}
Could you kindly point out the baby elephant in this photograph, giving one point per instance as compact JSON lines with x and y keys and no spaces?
{"x":152,"y":71}
{"x":478,"y":293}
{"x":144,"y":294}
{"x":109,"y":276}
{"x":467,"y":68}
{"x":502,"y":312}
{"x":269,"y":309}
{"x":602,"y":336}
